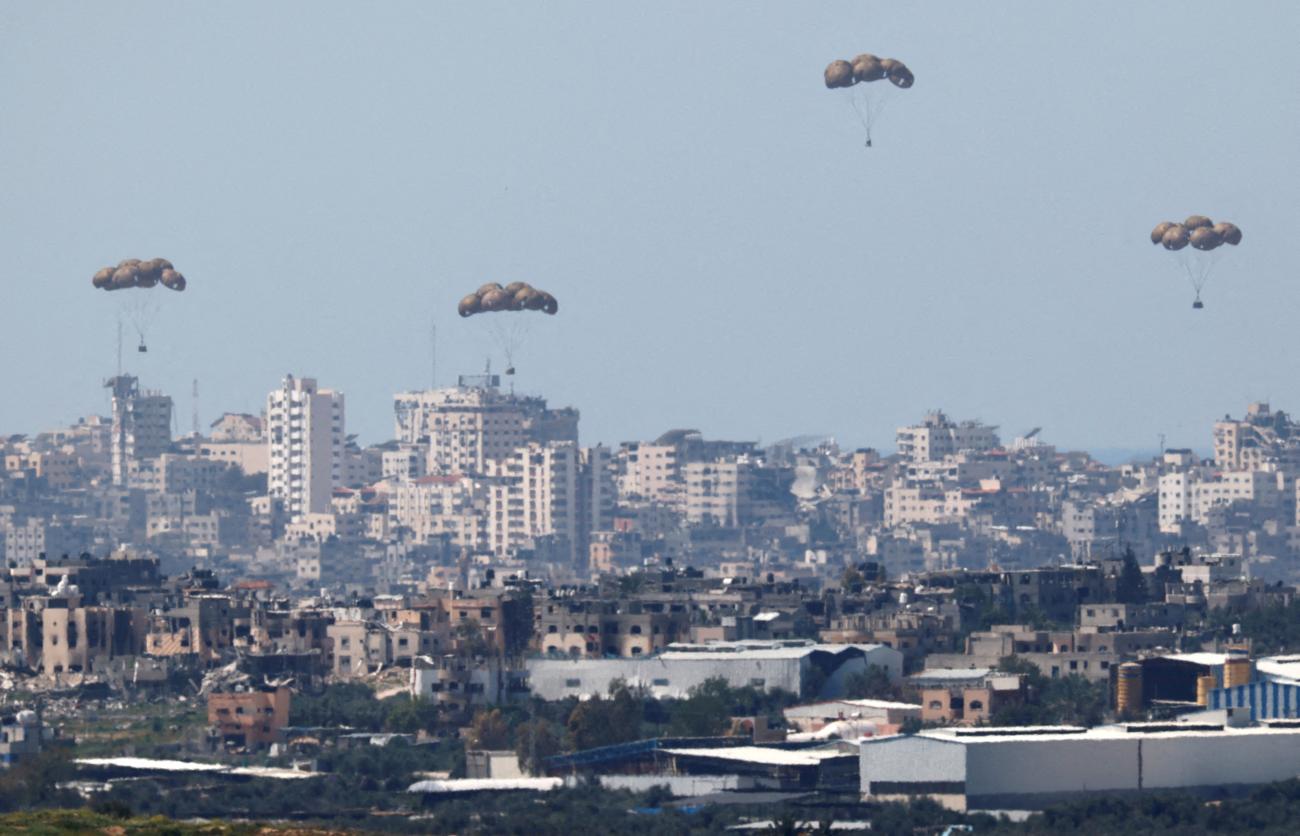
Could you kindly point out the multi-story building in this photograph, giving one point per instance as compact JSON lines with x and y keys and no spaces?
{"x":142,"y":425}
{"x":305,"y":432}
{"x":473,"y":423}
{"x":937,"y":437}
{"x":534,"y":495}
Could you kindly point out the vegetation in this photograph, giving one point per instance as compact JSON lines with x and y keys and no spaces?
{"x":355,"y":705}
{"x":1069,"y":700}
{"x":1272,"y":629}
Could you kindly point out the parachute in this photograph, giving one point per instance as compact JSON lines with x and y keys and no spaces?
{"x":859,"y":76}
{"x":132,"y":273}
{"x":516,"y":296}
{"x":1196,"y":241}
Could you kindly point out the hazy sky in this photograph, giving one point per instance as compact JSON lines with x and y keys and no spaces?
{"x":331,"y":177}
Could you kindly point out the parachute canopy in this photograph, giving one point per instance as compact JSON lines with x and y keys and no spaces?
{"x":132,"y":272}
{"x":866,"y":68}
{"x":1197,"y":230}
{"x":516,"y":296}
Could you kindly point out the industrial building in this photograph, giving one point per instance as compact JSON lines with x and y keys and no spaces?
{"x":1031,"y":767}
{"x":798,"y":666}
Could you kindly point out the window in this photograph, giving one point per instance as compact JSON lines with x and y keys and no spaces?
{"x":758,"y":682}
{"x":660,"y":683}
{"x":573,"y":683}
{"x":976,"y":705}
{"x":935,"y":705}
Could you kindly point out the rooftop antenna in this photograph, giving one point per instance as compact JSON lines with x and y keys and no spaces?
{"x":194,"y":408}
{"x":1162,"y":444}
{"x":433,"y":354}
{"x":119,"y":345}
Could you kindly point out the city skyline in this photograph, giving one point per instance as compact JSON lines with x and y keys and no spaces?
{"x":323,"y":226}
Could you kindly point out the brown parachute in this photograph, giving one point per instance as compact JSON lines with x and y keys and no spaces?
{"x":132,"y":272}
{"x":860,"y":75}
{"x":516,"y":296}
{"x":1194,"y":240}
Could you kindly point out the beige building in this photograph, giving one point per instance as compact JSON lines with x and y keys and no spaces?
{"x":434,"y":507}
{"x":534,"y":494}
{"x":717,"y":493}
{"x":142,"y":425}
{"x":464,"y":427}
{"x":937,"y":437}
{"x":305,"y":434}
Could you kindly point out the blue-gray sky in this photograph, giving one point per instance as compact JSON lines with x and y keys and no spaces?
{"x":726,"y":253}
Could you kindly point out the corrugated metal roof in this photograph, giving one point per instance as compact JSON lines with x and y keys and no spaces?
{"x":762,"y":755}
{"x":452,"y":785}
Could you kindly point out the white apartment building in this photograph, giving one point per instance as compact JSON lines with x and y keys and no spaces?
{"x":142,"y":425}
{"x":464,"y":427}
{"x":717,"y":493}
{"x":650,"y":472}
{"x":926,"y":504}
{"x":1190,"y":495}
{"x":305,"y":436}
{"x":534,"y":494}
{"x":433,"y":507}
{"x":937,"y":436}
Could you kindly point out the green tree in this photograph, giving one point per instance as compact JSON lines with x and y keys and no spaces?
{"x":871,"y":684}
{"x":489,"y":730}
{"x":536,"y":741}
{"x":705,"y":712}
{"x":1130,"y":586}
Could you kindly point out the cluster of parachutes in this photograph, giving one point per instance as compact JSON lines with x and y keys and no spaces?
{"x":867,"y":68}
{"x":516,"y":296}
{"x":133,"y":272}
{"x":1198,"y":231}
{"x":1193,"y":242}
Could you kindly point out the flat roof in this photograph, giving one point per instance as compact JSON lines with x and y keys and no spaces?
{"x":164,"y":765}
{"x":1209,"y":660}
{"x":817,"y":709}
{"x":764,"y":755}
{"x":725,"y":652}
{"x":1046,"y":735}
{"x":454,"y":785}
{"x":955,"y":674}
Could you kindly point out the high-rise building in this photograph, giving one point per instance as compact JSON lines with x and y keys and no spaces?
{"x":473,"y":423}
{"x":304,"y":428}
{"x":142,"y":425}
{"x":533,"y":496}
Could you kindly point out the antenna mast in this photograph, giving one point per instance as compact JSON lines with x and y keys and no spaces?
{"x":194,"y":408}
{"x":433,"y":354}
{"x":119,"y":345}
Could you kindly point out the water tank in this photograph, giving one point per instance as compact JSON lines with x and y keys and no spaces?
{"x":1237,"y":669}
{"x":1204,"y":685}
{"x":26,"y":718}
{"x":1128,"y":694}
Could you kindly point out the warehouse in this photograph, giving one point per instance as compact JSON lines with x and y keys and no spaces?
{"x":1030,"y":767}
{"x":801,"y":667}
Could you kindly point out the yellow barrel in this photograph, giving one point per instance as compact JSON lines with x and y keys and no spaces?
{"x":1128,"y":694}
{"x":1237,"y":671}
{"x":1204,"y":685}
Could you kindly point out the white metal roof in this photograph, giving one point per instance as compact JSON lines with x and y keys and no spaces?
{"x":1116,"y":732}
{"x":724,"y":652}
{"x":484,"y":785}
{"x":154,"y":764}
{"x":763,"y":755}
{"x":1209,"y":660}
{"x":951,"y":674}
{"x":163,"y":765}
{"x":832,"y":708}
